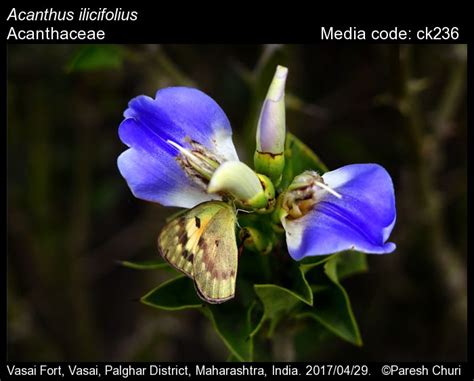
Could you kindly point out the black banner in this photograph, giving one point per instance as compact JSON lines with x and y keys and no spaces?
{"x":137,"y":24}
{"x":256,"y":370}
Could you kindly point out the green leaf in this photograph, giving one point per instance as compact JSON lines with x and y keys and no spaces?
{"x":350,"y":263}
{"x":151,"y":264}
{"x":309,"y":262}
{"x":235,"y":319}
{"x":298,"y":158}
{"x":332,"y":307}
{"x":279,"y":300}
{"x":96,"y":57}
{"x":232,"y":358}
{"x":175,"y":294}
{"x":232,"y":324}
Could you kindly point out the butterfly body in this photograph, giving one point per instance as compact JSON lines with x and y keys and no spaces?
{"x":201,"y":243}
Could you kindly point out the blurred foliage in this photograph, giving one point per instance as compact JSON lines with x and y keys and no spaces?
{"x":72,"y":220}
{"x":96,"y":57}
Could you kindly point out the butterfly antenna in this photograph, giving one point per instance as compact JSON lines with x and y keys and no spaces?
{"x":245,"y":211}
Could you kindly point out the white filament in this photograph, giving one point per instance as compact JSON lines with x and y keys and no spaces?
{"x":330,"y":190}
{"x":184,"y":151}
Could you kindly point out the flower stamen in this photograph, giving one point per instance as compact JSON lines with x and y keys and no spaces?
{"x":327,"y":188}
{"x":306,"y":190}
{"x":196,"y":162}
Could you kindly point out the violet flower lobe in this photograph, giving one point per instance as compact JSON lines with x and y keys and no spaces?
{"x":181,"y":152}
{"x":350,"y":208}
{"x":175,"y":142}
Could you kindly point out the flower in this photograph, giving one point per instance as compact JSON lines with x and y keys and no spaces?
{"x":181,"y":154}
{"x":177,"y":142}
{"x":352,"y":207}
{"x":271,"y":127}
{"x":160,"y":132}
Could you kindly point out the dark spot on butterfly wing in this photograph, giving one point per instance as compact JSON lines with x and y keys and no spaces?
{"x":202,"y":244}
{"x":197,"y":220}
{"x":167,"y":246}
{"x":183,"y":237}
{"x":210,"y":267}
{"x":188,"y":255}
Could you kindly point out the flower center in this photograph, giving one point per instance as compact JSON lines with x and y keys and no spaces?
{"x":197,"y":161}
{"x":305,"y":191}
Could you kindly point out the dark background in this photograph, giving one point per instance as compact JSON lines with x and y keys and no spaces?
{"x":71,"y":215}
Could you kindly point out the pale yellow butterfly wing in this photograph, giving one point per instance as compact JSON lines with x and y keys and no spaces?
{"x":202,"y":244}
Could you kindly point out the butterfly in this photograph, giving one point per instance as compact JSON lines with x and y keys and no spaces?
{"x":201,"y":243}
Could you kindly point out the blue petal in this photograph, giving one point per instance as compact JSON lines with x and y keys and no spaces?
{"x":158,"y":178}
{"x":361,"y":220}
{"x":177,"y":114}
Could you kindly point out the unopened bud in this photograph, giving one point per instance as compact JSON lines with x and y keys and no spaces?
{"x":271,"y":130}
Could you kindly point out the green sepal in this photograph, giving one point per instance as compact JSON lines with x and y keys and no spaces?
{"x":270,"y":164}
{"x":269,"y":194}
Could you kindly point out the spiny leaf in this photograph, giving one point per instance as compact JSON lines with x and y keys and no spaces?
{"x":234,"y":320}
{"x":309,"y":262}
{"x":233,"y":326}
{"x":175,"y":294}
{"x":351,"y":263}
{"x":151,"y":264}
{"x":279,"y":300}
{"x":332,"y":307}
